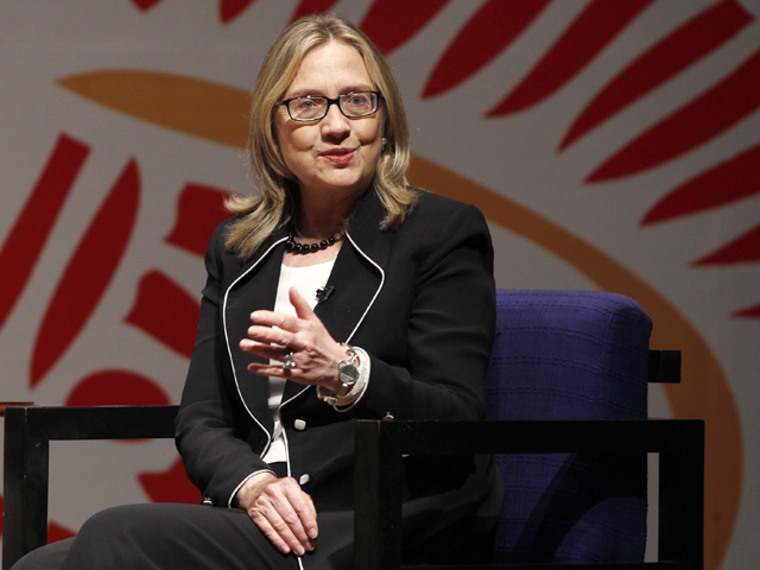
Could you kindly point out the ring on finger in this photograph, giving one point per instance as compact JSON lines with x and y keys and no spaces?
{"x":288,"y":362}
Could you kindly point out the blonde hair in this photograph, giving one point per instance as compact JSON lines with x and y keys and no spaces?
{"x":273,"y":207}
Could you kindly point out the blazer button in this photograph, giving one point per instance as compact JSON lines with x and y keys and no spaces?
{"x":299,"y":424}
{"x":303,"y":479}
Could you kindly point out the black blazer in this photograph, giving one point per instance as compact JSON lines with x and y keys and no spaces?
{"x":418,"y":299}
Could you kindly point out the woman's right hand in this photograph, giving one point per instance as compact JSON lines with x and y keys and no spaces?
{"x":282,"y":510}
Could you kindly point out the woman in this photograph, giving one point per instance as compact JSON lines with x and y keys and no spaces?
{"x":338,"y":293}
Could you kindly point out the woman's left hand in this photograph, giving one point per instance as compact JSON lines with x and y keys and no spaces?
{"x":314,"y":353}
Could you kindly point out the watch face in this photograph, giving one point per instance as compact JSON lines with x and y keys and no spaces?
{"x":348,"y":374}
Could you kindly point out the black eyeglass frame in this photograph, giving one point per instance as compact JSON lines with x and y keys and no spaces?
{"x":335,"y":101}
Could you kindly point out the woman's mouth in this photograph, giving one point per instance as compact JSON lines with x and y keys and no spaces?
{"x":338,"y":156}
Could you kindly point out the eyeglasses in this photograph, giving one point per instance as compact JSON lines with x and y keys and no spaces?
{"x":309,"y":108}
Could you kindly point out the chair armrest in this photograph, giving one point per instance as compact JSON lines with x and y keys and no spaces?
{"x":380,"y":446}
{"x":664,"y":366}
{"x":28,"y":432}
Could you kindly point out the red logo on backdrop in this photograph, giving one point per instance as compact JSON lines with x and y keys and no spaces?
{"x":91,"y":268}
{"x":161,"y":308}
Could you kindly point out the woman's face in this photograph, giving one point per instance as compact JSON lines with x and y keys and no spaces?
{"x":336,"y":153}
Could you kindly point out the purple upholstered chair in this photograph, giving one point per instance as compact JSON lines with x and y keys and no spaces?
{"x":566,"y":396}
{"x":570,"y":355}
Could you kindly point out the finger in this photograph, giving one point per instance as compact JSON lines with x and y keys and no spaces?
{"x":283,"y":525}
{"x":270,"y":532}
{"x":269,"y":336}
{"x":255,"y":346}
{"x":302,"y":518}
{"x":280,"y":505}
{"x":297,"y":375}
{"x":266,"y":514}
{"x":307,"y":512}
{"x":302,"y":307}
{"x":274,"y":319}
{"x":277,"y":343}
{"x":276,"y":370}
{"x":279,"y":533}
{"x":263,"y":350}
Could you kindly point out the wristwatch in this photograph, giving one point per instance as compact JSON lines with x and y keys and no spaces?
{"x":348,"y":373}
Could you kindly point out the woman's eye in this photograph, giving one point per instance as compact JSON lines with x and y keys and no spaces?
{"x":357,"y":100}
{"x":306,"y":104}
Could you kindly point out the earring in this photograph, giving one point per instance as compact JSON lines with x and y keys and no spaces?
{"x":383,"y":142}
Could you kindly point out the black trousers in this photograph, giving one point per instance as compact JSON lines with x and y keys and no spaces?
{"x":163,"y":536}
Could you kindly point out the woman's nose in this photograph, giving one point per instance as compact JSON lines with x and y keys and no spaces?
{"x":335,"y":123}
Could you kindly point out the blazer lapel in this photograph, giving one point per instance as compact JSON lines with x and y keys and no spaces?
{"x":357,"y":276}
{"x":255,"y":288}
{"x":355,"y":282}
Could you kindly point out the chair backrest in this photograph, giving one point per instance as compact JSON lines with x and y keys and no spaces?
{"x":570,"y":355}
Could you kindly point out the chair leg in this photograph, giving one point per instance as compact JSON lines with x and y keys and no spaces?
{"x":681,"y":532}
{"x":27,"y":454}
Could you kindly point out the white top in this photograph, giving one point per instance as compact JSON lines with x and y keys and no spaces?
{"x":306,"y":280}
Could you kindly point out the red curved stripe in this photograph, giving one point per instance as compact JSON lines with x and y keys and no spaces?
{"x":117,"y":388}
{"x":145,"y":5}
{"x":727,"y":182}
{"x":231,"y":9}
{"x":490,"y":31}
{"x":58,"y":532}
{"x":166,"y":312}
{"x":307,"y":7}
{"x":199,"y":211}
{"x":667,"y":58}
{"x":390,"y":24}
{"x":88,"y":274}
{"x":750,"y":312}
{"x":170,"y":486}
{"x":596,"y":27}
{"x":744,"y":249}
{"x":30,"y":232}
{"x":704,"y":118}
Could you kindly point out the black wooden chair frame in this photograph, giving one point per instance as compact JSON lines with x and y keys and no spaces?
{"x":380,"y":447}
{"x":28,"y":433}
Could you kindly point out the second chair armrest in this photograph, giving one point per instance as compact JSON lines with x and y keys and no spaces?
{"x":381,"y":445}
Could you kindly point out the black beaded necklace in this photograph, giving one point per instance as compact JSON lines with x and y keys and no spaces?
{"x":292,"y":245}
